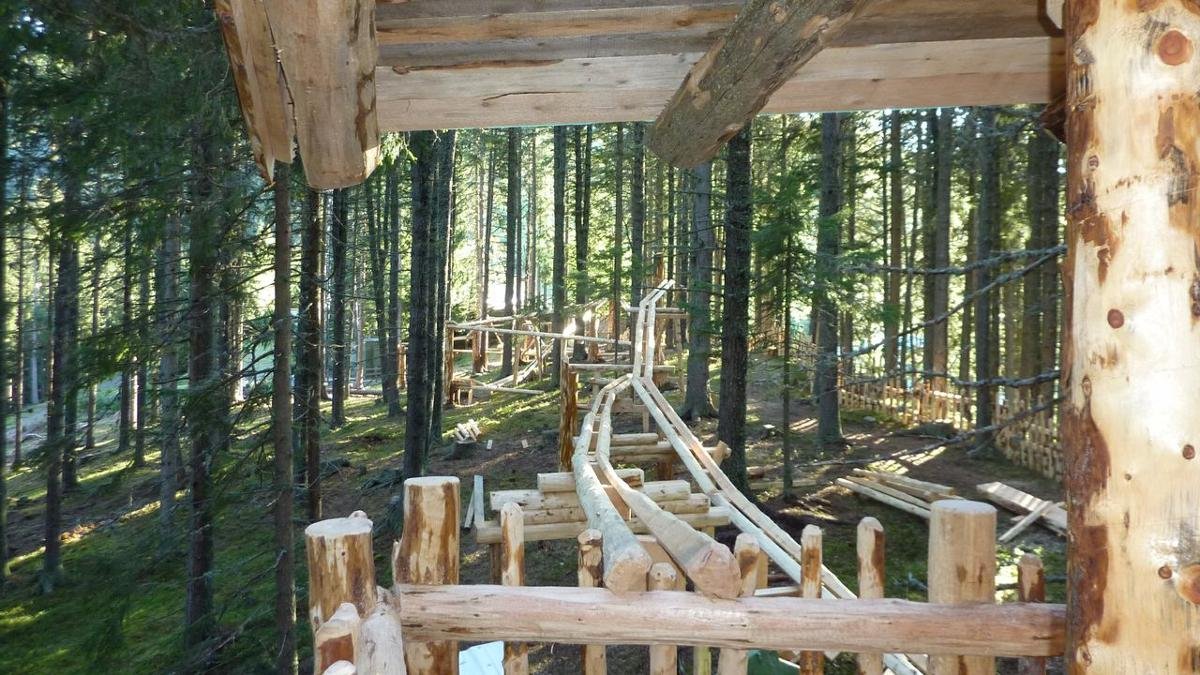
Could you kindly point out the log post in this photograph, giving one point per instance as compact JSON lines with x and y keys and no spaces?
{"x":590,"y":575}
{"x":428,"y":554}
{"x":1031,"y":587}
{"x":1132,"y":318}
{"x":381,"y":641}
{"x":341,"y":567}
{"x":337,"y":638}
{"x":962,"y":569}
{"x":871,"y":580}
{"x":749,"y":557}
{"x":663,"y":658}
{"x":568,"y":413}
{"x":811,"y":662}
{"x":512,"y":544}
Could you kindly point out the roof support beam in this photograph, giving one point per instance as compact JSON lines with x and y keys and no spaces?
{"x":767,"y":44}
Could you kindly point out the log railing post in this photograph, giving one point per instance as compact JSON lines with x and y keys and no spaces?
{"x":428,"y":554}
{"x":512,"y":545}
{"x":341,"y":567}
{"x":870,"y":580}
{"x":749,"y":558}
{"x":568,"y":412}
{"x":812,"y":662}
{"x":962,"y":569}
{"x":1031,"y":587}
{"x":664,"y":659}
{"x":591,"y":575}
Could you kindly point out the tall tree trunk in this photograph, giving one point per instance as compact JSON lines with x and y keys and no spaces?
{"x":696,"y":400}
{"x":987,"y":222}
{"x":512,"y":226}
{"x":281,"y":431}
{"x":616,"y":295}
{"x":927,"y":196}
{"x":531,"y":279}
{"x":125,"y":419}
{"x":394,"y":310}
{"x":423,"y":281}
{"x":19,"y":373}
{"x":141,"y":400}
{"x":558,"y":283}
{"x":378,"y":253}
{"x":89,"y":433}
{"x":5,"y":229}
{"x":735,"y":329}
{"x":1047,"y":160}
{"x":940,"y":346}
{"x":829,"y":425}
{"x":849,"y":230}
{"x":203,"y":413}
{"x":893,"y":308}
{"x":341,"y":212}
{"x":308,"y":358}
{"x":581,"y":236}
{"x":442,"y":224}
{"x":167,"y":305}
{"x":1129,"y":425}
{"x":637,"y":213}
{"x":672,"y":335}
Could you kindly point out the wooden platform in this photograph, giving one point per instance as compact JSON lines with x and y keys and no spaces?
{"x":474,"y":63}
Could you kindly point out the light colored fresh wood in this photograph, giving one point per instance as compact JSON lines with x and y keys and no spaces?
{"x":693,"y":505}
{"x":512,"y":573}
{"x":477,"y":511}
{"x":590,"y":575}
{"x":664,"y":659}
{"x":812,"y":662}
{"x":381,"y":641}
{"x":873,"y":493}
{"x":337,"y":639}
{"x":766,"y":45}
{"x":623,"y":440}
{"x":328,"y":53}
{"x":564,"y":481}
{"x":1031,"y":587}
{"x":1024,"y":523}
{"x":1054,"y":11}
{"x":262,"y":93}
{"x":871,"y":580}
{"x":341,"y":566}
{"x":340,"y":668}
{"x":749,"y":556}
{"x":890,"y":491}
{"x":585,"y":615}
{"x":1022,"y":502}
{"x":428,"y":554}
{"x":659,"y":491}
{"x":962,"y":569}
{"x":533,"y":333}
{"x":488,"y":532}
{"x":926,"y":490}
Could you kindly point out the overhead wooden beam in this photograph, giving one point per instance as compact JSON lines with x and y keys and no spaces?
{"x":262,"y":94}
{"x":767,"y":44}
{"x":328,"y":52}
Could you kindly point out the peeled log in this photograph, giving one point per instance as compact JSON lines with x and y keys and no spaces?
{"x":381,"y":642}
{"x":341,"y":566}
{"x":767,"y":44}
{"x":1130,"y":348}
{"x":328,"y":53}
{"x":427,"y":553}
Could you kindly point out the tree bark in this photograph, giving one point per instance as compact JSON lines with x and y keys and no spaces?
{"x":89,"y":434}
{"x":735,"y":329}
{"x":142,"y":379}
{"x":696,"y":400}
{"x":308,"y":356}
{"x":559,"y":280}
{"x":5,"y":403}
{"x":637,"y":213}
{"x":341,"y":212}
{"x":940,"y":347}
{"x":443,"y":223}
{"x":378,"y":253}
{"x":987,"y":222}
{"x":394,"y":309}
{"x":125,"y":418}
{"x":582,"y":178}
{"x":167,"y":305}
{"x":893,"y":309}
{"x":281,"y":431}
{"x":825,"y":385}
{"x":512,"y":226}
{"x":617,"y":309}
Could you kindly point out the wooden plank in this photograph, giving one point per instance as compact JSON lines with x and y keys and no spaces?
{"x":659,"y":491}
{"x":488,"y":532}
{"x":886,"y":499}
{"x":1024,"y":523}
{"x":328,"y":53}
{"x":480,"y":613}
{"x":562,"y":481}
{"x":767,"y":44}
{"x":1022,"y":502}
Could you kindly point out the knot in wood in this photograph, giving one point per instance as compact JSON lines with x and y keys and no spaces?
{"x":1189,"y":451}
{"x":1115,"y":318}
{"x":1174,"y":48}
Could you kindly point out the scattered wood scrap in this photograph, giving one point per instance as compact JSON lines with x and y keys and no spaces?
{"x":901,"y":492}
{"x":467,"y":433}
{"x":1052,"y":515}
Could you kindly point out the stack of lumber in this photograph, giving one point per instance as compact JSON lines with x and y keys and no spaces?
{"x":467,"y":433}
{"x":907,"y":494}
{"x":1031,"y":509}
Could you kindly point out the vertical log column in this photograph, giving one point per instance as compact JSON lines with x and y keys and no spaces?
{"x":1031,"y":585}
{"x":427,"y":553}
{"x":664,"y":659}
{"x":568,"y":384}
{"x":591,"y":575}
{"x":512,"y":545}
{"x":1130,"y":347}
{"x":962,"y":569}
{"x":870,"y":580}
{"x":341,"y":567}
{"x":749,"y":558}
{"x":811,"y":663}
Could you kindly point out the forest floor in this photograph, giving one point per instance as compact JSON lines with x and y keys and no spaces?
{"x":119,"y":608}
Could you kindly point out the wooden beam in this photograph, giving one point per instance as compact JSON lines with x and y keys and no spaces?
{"x":328,"y":53}
{"x":767,"y":44}
{"x":262,"y":93}
{"x":599,"y":616}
